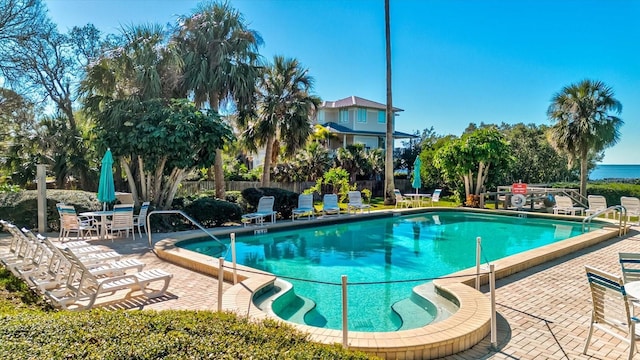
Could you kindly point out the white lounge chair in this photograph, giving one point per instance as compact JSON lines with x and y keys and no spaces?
{"x":632,"y":206}
{"x":122,"y":220}
{"x":265,"y":210}
{"x":596,"y":203}
{"x":52,"y":274}
{"x":305,"y":207}
{"x":610,"y":311}
{"x":355,"y":203}
{"x":435,"y":197}
{"x":564,"y":205}
{"x":140,"y":220}
{"x":401,"y":200}
{"x":82,"y":288}
{"x":330,"y":205}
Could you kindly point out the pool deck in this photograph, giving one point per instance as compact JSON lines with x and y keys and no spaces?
{"x":543,"y":311}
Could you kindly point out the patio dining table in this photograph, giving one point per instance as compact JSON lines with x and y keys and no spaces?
{"x":103,"y":215}
{"x":416,"y":198}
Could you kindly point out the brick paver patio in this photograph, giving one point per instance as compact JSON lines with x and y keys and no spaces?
{"x":543,"y":312}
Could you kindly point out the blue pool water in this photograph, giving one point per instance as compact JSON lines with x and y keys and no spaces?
{"x":383,"y":251}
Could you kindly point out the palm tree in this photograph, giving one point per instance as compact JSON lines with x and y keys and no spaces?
{"x":583,"y":126}
{"x":221,"y":62}
{"x":141,"y":67}
{"x":389,"y":185}
{"x":285,"y":109}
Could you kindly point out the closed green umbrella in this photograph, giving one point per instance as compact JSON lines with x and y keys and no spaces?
{"x":417,"y":182}
{"x":106,"y":188}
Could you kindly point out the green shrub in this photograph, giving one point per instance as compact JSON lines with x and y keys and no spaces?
{"x":285,"y":201}
{"x":100,"y":334}
{"x":21,"y":208}
{"x":211,"y":212}
{"x":233,"y":196}
{"x":613,"y":191}
{"x":610,"y":190}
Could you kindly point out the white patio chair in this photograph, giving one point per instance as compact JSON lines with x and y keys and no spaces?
{"x":610,"y":311}
{"x":435,"y":197}
{"x":265,"y":210}
{"x":140,"y":220}
{"x":355,"y":203}
{"x":330,"y":205}
{"x":401,"y":200}
{"x":564,"y":205}
{"x":596,"y":203}
{"x":122,"y":220}
{"x":72,"y":223}
{"x":305,"y":207}
{"x":632,"y":205}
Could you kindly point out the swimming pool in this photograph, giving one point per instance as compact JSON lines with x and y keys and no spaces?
{"x":385,"y":251}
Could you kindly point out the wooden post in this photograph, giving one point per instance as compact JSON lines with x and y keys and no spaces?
{"x":41,"y":179}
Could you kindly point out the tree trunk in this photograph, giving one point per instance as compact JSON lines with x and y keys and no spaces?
{"x":389,"y":185}
{"x":143,"y":181}
{"x":219,"y":175}
{"x":174,"y":188}
{"x":583,"y":172}
{"x":130,"y":179}
{"x":266,"y":170}
{"x":479,"y":178}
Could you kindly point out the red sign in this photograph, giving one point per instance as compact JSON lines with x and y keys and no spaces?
{"x":519,"y":188}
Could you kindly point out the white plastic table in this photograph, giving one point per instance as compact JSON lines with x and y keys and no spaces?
{"x":416,"y":199}
{"x":103,"y":215}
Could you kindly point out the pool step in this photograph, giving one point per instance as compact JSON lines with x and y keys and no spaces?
{"x":413,"y":312}
{"x":445,"y":308}
{"x":290,"y":306}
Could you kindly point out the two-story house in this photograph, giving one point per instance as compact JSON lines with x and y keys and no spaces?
{"x":354,"y":120}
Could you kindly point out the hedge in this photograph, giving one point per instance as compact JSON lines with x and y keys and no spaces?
{"x":285,"y":201}
{"x":30,"y":329}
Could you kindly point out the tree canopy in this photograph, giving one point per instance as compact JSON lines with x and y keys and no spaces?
{"x":583,"y":124}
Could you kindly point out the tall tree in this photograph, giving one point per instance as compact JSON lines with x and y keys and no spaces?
{"x":389,"y":185}
{"x":470,"y":158}
{"x":39,"y":62}
{"x":139,"y":75}
{"x":583,"y":125}
{"x":285,"y":110}
{"x":221,"y":63}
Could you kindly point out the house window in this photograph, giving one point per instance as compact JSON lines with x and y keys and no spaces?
{"x":320,"y":116}
{"x":344,"y":116}
{"x":382,"y":117}
{"x":362,"y":116}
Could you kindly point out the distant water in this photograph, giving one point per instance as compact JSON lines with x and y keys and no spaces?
{"x":615,"y":172}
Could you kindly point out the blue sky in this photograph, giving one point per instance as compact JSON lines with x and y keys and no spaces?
{"x":454,"y":62}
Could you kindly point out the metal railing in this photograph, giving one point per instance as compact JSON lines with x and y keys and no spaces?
{"x":179,"y":212}
{"x":622,"y":226}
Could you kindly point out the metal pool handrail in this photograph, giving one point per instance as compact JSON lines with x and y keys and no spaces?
{"x":179,"y":212}
{"x":623,"y":214}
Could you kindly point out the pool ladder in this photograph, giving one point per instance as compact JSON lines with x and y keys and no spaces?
{"x":179,"y":212}
{"x":622,"y":226}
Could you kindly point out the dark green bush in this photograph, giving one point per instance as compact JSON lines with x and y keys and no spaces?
{"x":21,"y":208}
{"x":285,"y":201}
{"x":29,"y":329}
{"x":211,"y":212}
{"x":150,"y":334}
{"x":613,"y":191}
{"x":233,"y":196}
{"x":610,"y":190}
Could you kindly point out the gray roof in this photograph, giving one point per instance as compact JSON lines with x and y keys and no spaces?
{"x":352,"y":101}
{"x":339,"y":129}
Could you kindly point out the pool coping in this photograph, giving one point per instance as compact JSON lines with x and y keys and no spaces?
{"x":465,"y":328}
